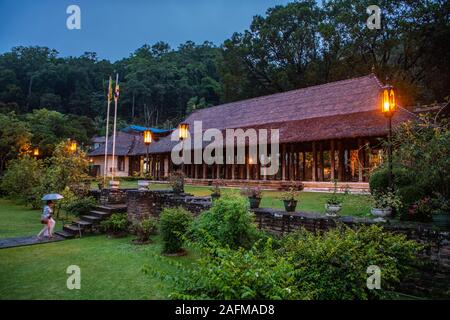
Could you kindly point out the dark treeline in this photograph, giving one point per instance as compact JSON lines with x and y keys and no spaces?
{"x":293,"y":46}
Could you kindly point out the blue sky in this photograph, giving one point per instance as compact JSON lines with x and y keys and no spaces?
{"x":116,"y":28}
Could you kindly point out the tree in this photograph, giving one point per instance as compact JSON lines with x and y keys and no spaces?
{"x":14,"y":138}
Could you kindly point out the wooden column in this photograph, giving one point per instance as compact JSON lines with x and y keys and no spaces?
{"x":283,"y":162}
{"x":321,"y":162}
{"x":217,"y":171}
{"x":314,"y":162}
{"x":232,"y":171}
{"x":291,"y":163}
{"x":304,"y":166}
{"x":205,"y":172}
{"x":332,"y":159}
{"x":360,"y":160}
{"x":341,"y":161}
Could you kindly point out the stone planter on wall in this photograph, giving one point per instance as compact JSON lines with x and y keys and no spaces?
{"x":290,"y":205}
{"x":114,"y":184}
{"x":381,"y":212}
{"x":143,"y":184}
{"x":333,"y":209}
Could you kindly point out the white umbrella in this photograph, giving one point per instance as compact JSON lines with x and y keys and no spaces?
{"x":52,"y":196}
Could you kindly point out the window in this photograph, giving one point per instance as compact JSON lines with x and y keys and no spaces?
{"x":121,"y":163}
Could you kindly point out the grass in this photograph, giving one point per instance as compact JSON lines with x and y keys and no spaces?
{"x":110,"y":269}
{"x":354,"y":204}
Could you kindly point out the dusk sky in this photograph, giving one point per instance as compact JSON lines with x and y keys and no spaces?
{"x":114,"y":28}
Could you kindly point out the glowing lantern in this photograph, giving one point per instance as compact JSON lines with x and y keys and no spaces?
{"x":147,"y":137}
{"x":388,"y":103}
{"x":72,"y":146}
{"x":183,"y":130}
{"x":36,"y":152}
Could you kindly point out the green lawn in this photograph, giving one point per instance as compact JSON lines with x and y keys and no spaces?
{"x":110,"y":269}
{"x":354,"y":205}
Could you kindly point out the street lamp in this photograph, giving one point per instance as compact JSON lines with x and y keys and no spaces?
{"x":183,"y":133}
{"x":72,"y":146}
{"x":388,"y":108}
{"x":148,"y":141}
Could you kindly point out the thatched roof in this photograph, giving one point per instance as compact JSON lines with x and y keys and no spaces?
{"x":343,"y":109}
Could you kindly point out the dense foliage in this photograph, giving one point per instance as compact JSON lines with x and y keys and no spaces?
{"x":116,"y":224}
{"x":421,"y":161}
{"x":228,"y":222}
{"x":302,"y":265}
{"x":28,"y":179}
{"x":144,"y":228}
{"x":295,"y":45}
{"x":228,"y":274}
{"x":334,"y":265}
{"x":174,"y":222}
{"x":80,"y":206}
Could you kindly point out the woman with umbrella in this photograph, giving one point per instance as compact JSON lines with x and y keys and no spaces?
{"x":47,"y":215}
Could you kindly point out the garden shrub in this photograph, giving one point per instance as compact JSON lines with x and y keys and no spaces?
{"x":116,"y":224}
{"x":421,"y":153}
{"x":228,"y":222}
{"x":174,"y":222}
{"x":79,"y":207}
{"x":22,"y":177}
{"x":144,"y":228}
{"x":228,"y":274}
{"x":333,"y":265}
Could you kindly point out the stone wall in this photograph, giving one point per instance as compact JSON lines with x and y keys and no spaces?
{"x":433,"y":277}
{"x":145,"y":203}
{"x":113,"y":196}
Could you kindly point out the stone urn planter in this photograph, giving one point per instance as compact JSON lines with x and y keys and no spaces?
{"x":442,"y":220}
{"x":254,"y":202}
{"x":143,"y":184}
{"x":215,"y":196}
{"x":333,"y":209}
{"x":290,"y":205}
{"x":381,"y":212}
{"x":114,"y":184}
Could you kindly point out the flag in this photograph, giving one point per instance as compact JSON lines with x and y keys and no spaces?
{"x":116,"y":92}
{"x":110,"y":92}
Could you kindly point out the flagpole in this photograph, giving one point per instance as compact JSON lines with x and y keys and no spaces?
{"x":105,"y":171}
{"x":114,"y":130}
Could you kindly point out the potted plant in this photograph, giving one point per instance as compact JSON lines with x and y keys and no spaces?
{"x":176,"y":180}
{"x":384,"y":202}
{"x":254,"y":196}
{"x":143,"y":184}
{"x":290,"y":197}
{"x":114,"y":184}
{"x":334,"y":201}
{"x":215,"y":190}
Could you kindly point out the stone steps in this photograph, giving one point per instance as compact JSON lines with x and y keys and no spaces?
{"x":88,"y":223}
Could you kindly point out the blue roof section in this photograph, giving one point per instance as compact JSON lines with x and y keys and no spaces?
{"x":142,"y":129}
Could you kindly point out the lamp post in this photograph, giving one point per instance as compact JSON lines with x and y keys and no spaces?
{"x":72,"y":145}
{"x":148,"y":141}
{"x":183,"y":132}
{"x":36,"y":152}
{"x":388,"y":108}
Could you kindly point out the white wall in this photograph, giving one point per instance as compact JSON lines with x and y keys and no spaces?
{"x":100,"y":161}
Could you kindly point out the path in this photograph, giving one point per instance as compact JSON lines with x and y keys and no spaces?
{"x":26,"y":241}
